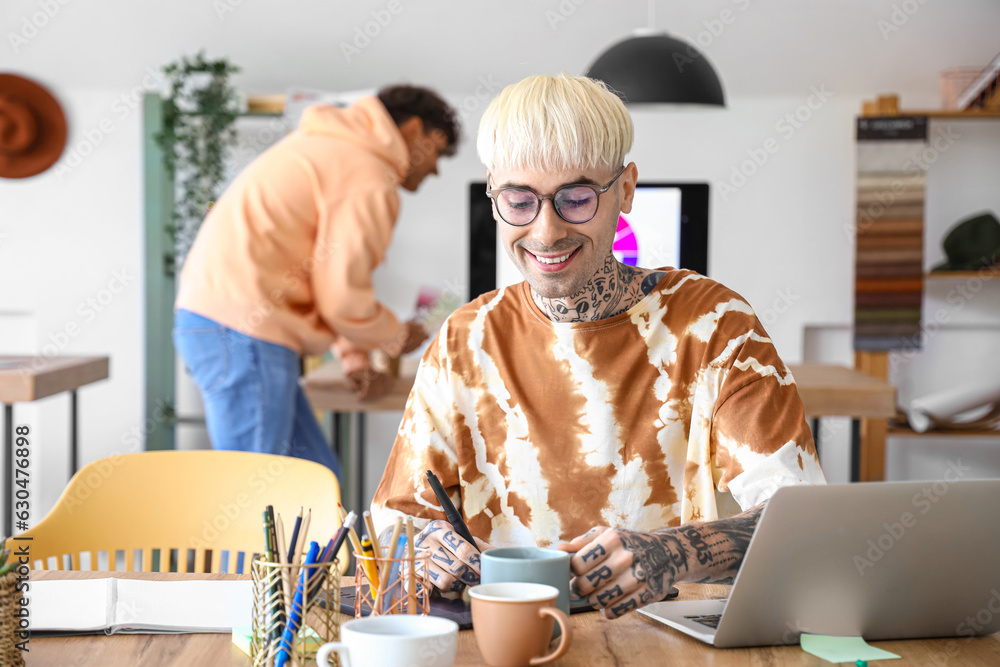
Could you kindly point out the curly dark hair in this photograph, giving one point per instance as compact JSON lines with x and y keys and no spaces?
{"x":404,"y":102}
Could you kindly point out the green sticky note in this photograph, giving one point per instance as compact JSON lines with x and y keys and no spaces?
{"x":842,"y":649}
{"x":241,"y":638}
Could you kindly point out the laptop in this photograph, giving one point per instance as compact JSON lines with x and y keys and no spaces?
{"x":887,"y":560}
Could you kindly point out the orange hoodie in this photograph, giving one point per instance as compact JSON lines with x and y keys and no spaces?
{"x":287,"y":252}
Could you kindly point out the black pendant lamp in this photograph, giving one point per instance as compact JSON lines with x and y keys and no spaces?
{"x":654,"y":68}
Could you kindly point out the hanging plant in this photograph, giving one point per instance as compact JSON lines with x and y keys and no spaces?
{"x":198,"y":130}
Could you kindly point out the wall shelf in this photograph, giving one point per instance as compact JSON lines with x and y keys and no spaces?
{"x":896,"y":431}
{"x":991,"y":272}
{"x":972,"y":114}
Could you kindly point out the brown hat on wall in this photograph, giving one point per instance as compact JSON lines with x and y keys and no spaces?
{"x":32,"y":128}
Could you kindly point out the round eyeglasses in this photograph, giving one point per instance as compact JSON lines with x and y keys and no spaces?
{"x":575,"y":203}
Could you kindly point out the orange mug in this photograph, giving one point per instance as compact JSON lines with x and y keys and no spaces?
{"x":513,"y":623}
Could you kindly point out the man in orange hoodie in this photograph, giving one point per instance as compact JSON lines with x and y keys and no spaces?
{"x":282,"y":267}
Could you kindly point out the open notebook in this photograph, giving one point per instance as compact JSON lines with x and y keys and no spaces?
{"x":90,"y":606}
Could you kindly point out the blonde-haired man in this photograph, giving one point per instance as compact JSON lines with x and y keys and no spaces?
{"x":639,"y":418}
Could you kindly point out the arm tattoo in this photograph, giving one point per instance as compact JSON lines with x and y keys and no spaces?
{"x":702,"y":550}
{"x":721,"y":545}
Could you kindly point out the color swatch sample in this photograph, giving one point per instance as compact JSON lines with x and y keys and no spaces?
{"x":889,"y":233}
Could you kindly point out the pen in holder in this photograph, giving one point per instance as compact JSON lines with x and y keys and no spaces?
{"x":313,"y":609}
{"x":404,"y":588}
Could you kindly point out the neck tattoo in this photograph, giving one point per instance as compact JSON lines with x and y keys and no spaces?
{"x":615,"y":288}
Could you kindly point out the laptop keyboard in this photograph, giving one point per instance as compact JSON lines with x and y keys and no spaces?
{"x":711,"y":620}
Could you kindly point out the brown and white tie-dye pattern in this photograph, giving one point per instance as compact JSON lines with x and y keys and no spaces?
{"x":539,"y":431}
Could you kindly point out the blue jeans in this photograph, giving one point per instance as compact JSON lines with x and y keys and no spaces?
{"x":253,"y":401}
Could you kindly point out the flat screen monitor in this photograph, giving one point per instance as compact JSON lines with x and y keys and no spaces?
{"x":667,"y":226}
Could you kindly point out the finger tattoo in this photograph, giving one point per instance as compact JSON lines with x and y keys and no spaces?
{"x":594,"y":553}
{"x":442,"y":556}
{"x":628,"y":605}
{"x":597,"y":576}
{"x":611,"y":594}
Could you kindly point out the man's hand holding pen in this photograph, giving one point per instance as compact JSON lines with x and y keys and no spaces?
{"x":454,"y":563}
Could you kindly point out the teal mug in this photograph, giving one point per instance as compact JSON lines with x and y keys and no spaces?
{"x":533,"y":565}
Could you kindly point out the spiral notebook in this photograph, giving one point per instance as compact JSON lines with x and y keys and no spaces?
{"x":134,"y":606}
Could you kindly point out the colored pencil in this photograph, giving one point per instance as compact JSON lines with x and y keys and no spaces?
{"x":411,"y":583}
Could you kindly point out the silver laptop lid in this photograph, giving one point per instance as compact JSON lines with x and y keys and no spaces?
{"x":891,"y":560}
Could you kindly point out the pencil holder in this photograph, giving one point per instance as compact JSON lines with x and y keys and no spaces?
{"x":401,"y":587}
{"x":276,"y":588}
{"x":10,"y":617}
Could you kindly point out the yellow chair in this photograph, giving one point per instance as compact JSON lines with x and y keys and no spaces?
{"x":187,"y":511}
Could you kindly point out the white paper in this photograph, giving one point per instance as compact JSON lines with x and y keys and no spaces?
{"x":73,"y":605}
{"x":139,"y":606}
{"x":951,"y":403}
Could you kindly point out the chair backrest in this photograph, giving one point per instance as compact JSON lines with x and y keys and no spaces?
{"x":187,"y":511}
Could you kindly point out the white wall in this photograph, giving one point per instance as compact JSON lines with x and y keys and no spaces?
{"x":64,"y":236}
{"x":779,"y":239}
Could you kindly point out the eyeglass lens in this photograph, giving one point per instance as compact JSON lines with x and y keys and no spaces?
{"x":573,"y":203}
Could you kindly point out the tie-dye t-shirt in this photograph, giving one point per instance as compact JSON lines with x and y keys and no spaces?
{"x":539,"y":431}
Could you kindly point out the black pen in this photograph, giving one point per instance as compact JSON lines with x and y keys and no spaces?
{"x":454,"y":518}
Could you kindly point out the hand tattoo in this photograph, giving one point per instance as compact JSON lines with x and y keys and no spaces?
{"x":657,"y":559}
{"x":627,"y":605}
{"x":611,"y":594}
{"x":594,"y":553}
{"x":597,"y":576}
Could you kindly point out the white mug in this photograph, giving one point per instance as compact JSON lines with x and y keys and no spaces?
{"x":396,"y":640}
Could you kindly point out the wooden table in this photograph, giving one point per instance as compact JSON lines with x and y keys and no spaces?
{"x":838,"y":391}
{"x":328,"y":390}
{"x":826,"y":391}
{"x":631,"y":640}
{"x":25,"y":379}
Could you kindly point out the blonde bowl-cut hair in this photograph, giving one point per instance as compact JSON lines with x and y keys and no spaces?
{"x":557,"y":123}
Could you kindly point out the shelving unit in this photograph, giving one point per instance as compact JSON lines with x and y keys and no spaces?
{"x":874,"y":432}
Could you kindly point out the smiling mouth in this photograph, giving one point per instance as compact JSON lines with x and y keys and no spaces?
{"x":553,"y":263}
